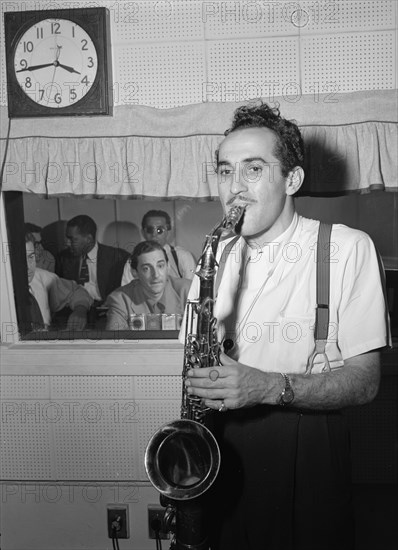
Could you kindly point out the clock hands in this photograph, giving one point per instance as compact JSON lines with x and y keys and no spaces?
{"x":58,"y":64}
{"x":55,"y":63}
{"x":35,"y":67}
{"x":70,"y":69}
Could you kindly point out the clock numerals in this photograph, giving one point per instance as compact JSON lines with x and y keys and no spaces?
{"x":55,"y":26}
{"x":28,"y":47}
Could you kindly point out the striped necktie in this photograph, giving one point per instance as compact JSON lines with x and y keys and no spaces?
{"x":83,"y":275}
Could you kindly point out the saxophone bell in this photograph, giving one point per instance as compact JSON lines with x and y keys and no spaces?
{"x":182,"y":459}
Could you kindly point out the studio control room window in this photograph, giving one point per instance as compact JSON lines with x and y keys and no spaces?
{"x":102,"y":268}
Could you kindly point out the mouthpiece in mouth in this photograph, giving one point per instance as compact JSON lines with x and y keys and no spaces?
{"x":234,"y":218}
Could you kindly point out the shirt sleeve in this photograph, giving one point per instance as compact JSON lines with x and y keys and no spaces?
{"x":363,"y":313}
{"x":186,"y":263}
{"x":63,"y":292}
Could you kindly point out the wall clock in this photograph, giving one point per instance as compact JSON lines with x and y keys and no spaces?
{"x":58,"y":62}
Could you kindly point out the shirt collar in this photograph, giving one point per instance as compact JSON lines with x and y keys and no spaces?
{"x":92,"y":255}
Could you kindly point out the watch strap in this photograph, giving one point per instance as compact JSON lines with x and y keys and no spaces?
{"x":287,"y":395}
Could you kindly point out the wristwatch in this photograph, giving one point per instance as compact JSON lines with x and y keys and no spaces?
{"x":287,"y":395}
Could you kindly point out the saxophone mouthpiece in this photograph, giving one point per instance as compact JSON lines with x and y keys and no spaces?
{"x":233,"y":217}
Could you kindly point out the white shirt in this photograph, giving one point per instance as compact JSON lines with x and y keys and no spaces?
{"x":92,"y":285}
{"x":53,"y":293}
{"x":186,"y":265}
{"x":271,"y":319}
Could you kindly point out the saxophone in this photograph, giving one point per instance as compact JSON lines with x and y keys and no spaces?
{"x":182,"y":458}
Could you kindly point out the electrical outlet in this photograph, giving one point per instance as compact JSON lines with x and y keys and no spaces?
{"x":156,"y":514}
{"x":118,"y":513}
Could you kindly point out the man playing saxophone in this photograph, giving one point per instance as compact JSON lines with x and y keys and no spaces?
{"x":284,"y":481}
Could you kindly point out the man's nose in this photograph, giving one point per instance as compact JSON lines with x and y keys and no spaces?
{"x":239,"y":181}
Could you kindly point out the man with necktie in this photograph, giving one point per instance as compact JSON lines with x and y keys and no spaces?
{"x":152,"y":291}
{"x":49,"y":294}
{"x":95,"y":266}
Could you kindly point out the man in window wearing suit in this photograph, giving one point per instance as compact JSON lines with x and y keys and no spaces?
{"x":95,"y":266}
{"x":155,"y":226}
{"x":152,"y":291}
{"x":49,"y":294}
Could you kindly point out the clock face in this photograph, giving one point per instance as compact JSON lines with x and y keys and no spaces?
{"x":55,"y":63}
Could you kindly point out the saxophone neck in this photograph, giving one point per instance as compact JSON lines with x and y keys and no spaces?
{"x":207,"y":262}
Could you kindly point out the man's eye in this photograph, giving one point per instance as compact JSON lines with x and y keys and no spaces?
{"x":224,"y":171}
{"x":254,"y":169}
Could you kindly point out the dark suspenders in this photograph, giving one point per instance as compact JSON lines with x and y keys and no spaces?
{"x":174,"y":254}
{"x":321,"y":329}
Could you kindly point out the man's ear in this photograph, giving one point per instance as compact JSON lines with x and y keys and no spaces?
{"x":134,"y":272}
{"x":294,"y":180}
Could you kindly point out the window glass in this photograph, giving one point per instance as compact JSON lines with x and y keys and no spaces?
{"x":80,"y":276}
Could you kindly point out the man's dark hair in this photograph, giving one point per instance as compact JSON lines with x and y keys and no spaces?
{"x":289,"y":148}
{"x":84,"y":224}
{"x":32,"y":228}
{"x":29,"y":238}
{"x":143,"y":248}
{"x":156,"y":214}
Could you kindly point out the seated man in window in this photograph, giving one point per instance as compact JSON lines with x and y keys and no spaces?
{"x":152,"y":290}
{"x":95,"y":266}
{"x":49,"y":293}
{"x":44,"y":258}
{"x":156,"y":226}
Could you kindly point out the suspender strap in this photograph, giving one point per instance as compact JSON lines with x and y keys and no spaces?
{"x":174,"y":254}
{"x":322,"y":295}
{"x":323,"y":282}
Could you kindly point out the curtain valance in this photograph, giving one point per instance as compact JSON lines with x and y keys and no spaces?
{"x":142,"y":152}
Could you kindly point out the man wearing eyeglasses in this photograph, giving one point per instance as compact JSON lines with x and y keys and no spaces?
{"x":156,"y":225}
{"x":44,"y":258}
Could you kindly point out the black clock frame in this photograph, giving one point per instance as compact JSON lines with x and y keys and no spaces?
{"x":99,"y":99}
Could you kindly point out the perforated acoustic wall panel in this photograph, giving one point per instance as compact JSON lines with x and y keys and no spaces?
{"x":83,"y":427}
{"x":156,"y":21}
{"x":346,"y":63}
{"x":160,"y":75}
{"x":172,"y":53}
{"x":244,"y":69}
{"x":234,"y":20}
{"x":338,"y":16}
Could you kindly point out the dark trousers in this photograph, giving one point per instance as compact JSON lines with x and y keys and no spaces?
{"x":284,"y":482}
